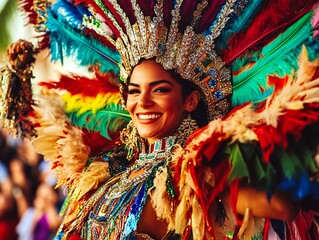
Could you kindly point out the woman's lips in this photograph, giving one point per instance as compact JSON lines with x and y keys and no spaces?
{"x":148,"y":117}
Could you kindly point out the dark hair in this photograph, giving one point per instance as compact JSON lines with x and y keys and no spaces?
{"x":200,"y":114}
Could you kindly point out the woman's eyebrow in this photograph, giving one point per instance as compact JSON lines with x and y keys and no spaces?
{"x":160,"y":81}
{"x":133,"y":84}
{"x":152,"y":84}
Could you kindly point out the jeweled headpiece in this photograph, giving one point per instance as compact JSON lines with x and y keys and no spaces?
{"x":161,"y":30}
{"x":190,"y":54}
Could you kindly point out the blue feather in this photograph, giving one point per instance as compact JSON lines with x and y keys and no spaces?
{"x":277,"y":58}
{"x":69,"y":42}
{"x":238,"y":23}
{"x":66,"y":12}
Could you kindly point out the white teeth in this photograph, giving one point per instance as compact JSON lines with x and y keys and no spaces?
{"x":149,"y":116}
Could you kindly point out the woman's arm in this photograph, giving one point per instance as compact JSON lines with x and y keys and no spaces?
{"x":280,"y":206}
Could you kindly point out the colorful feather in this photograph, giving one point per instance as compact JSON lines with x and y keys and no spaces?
{"x":238,"y":23}
{"x":274,"y":57}
{"x":275,"y":17}
{"x":99,"y":11}
{"x":107,"y":121}
{"x":65,"y":11}
{"x":88,"y":52}
{"x":91,"y":87}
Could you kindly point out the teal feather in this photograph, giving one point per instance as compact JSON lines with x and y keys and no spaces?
{"x":278,"y":57}
{"x":66,"y":41}
{"x":238,"y":23}
{"x":106,"y":121}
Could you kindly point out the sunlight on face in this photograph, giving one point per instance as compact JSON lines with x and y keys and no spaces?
{"x":154,"y":101}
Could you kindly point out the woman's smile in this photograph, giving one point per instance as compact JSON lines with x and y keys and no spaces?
{"x":148,"y":116}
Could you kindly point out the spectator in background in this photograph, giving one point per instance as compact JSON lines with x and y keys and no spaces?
{"x":8,"y":208}
{"x":42,"y":220}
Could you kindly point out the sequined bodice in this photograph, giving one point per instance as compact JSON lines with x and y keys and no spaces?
{"x":118,"y":203}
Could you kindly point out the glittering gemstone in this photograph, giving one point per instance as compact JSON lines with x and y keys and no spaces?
{"x":212,"y":72}
{"x":206,"y":62}
{"x":161,"y":48}
{"x":212,"y":83}
{"x":218,"y":94}
{"x":197,"y":69}
{"x":202,"y":77}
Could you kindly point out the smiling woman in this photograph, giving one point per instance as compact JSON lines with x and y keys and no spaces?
{"x":212,"y":140}
{"x":155,"y":101}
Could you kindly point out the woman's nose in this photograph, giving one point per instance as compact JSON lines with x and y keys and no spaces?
{"x":145,"y":100}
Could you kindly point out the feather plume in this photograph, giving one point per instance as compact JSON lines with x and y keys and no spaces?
{"x":65,"y":11}
{"x":147,"y":7}
{"x":238,"y":23}
{"x":82,"y":104}
{"x":255,"y":78}
{"x":67,"y":41}
{"x":91,"y":179}
{"x":82,"y":85}
{"x":209,"y":15}
{"x":99,"y":11}
{"x":278,"y":15}
{"x":27,"y":6}
{"x":107,"y":121}
{"x":198,"y":220}
{"x":160,"y":199}
{"x":186,"y":193}
{"x":58,"y":140}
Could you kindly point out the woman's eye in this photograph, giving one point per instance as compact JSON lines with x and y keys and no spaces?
{"x":133,"y":91}
{"x":162,"y":90}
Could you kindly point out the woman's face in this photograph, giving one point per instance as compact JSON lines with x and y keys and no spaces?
{"x":155,"y":101}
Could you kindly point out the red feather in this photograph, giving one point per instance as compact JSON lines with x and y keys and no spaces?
{"x":82,"y":85}
{"x":28,"y":7}
{"x":273,"y":19}
{"x":97,"y":143}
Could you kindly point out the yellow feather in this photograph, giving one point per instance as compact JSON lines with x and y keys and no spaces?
{"x":82,"y":104}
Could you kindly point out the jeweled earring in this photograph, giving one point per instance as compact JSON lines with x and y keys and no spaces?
{"x":133,"y":141}
{"x":185,"y":129}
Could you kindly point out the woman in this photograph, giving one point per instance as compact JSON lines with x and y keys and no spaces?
{"x":124,"y":201}
{"x":168,"y":178}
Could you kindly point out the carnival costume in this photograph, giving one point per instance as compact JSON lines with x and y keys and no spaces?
{"x":256,"y":63}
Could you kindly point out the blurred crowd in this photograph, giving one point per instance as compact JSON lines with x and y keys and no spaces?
{"x":29,"y":201}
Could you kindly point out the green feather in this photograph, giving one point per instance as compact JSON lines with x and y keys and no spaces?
{"x":108,"y":120}
{"x":236,"y":158}
{"x":275,"y":57}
